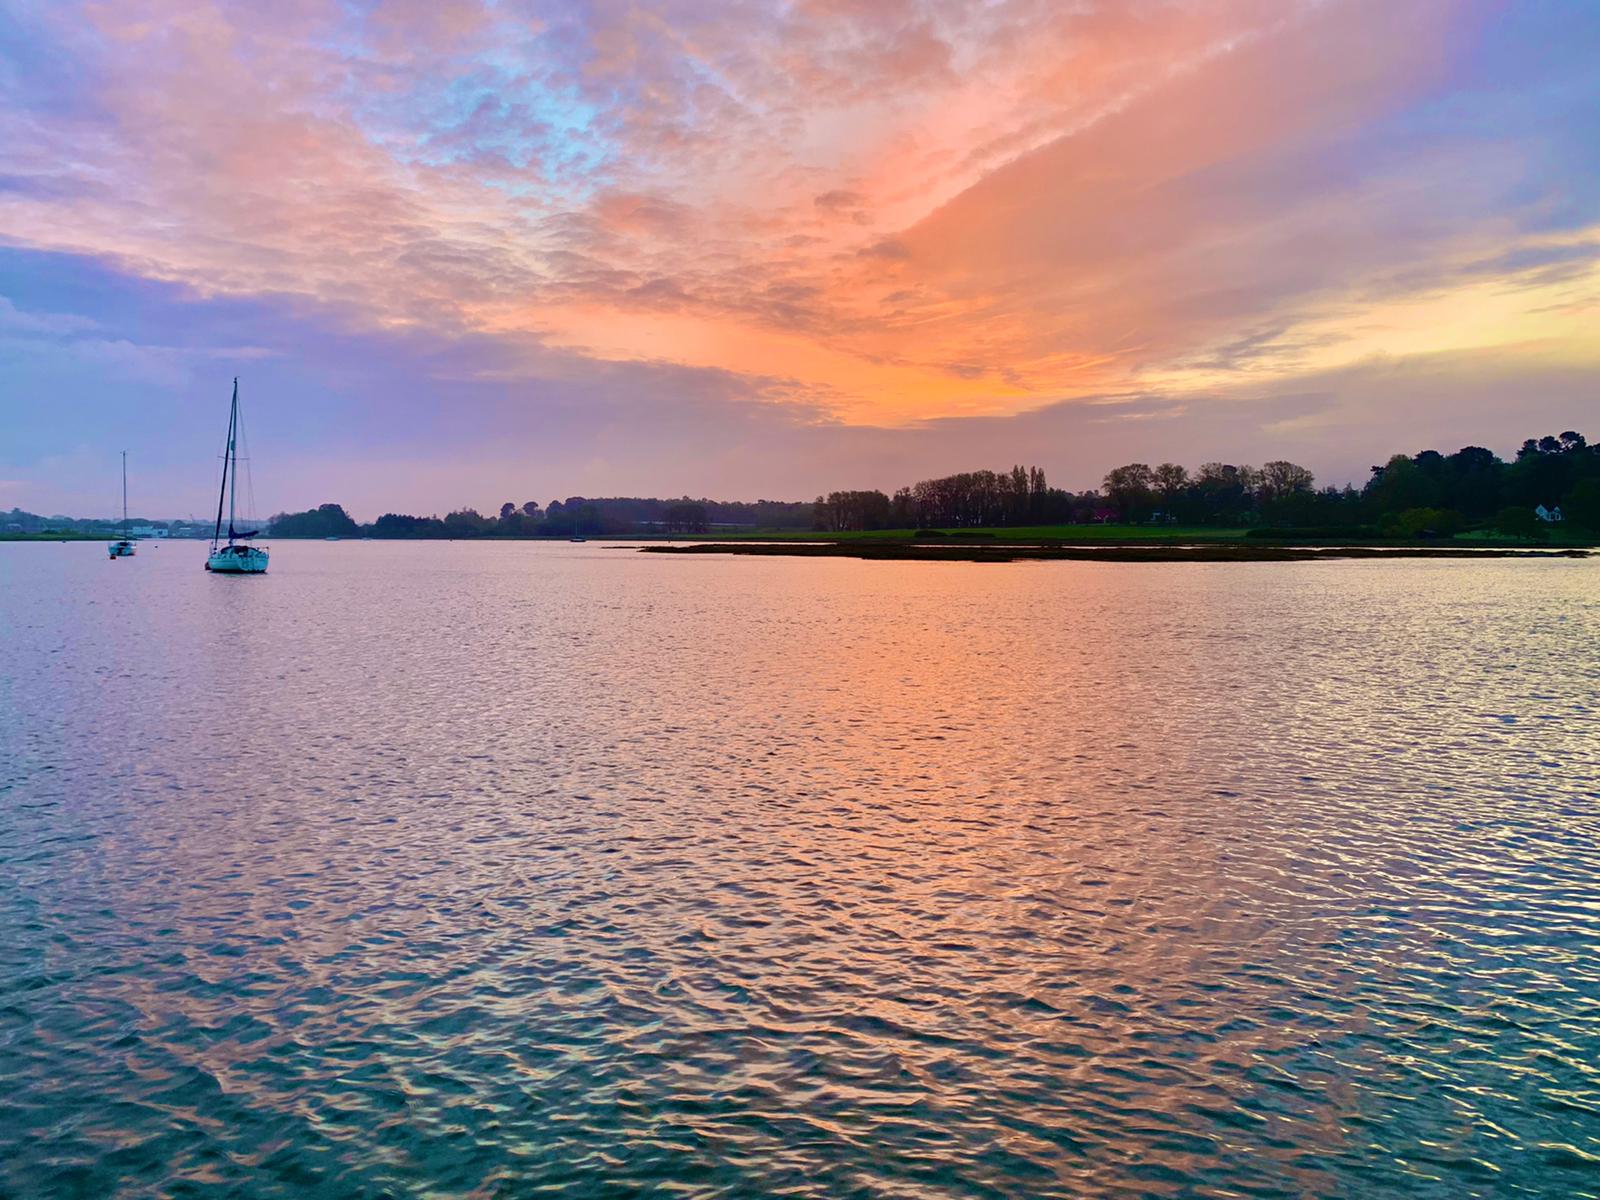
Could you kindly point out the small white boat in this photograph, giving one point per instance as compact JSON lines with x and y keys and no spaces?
{"x":235,"y":557}
{"x":122,"y":548}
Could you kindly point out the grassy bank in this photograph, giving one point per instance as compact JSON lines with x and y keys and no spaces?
{"x":1558,"y":537}
{"x":1028,"y":533}
{"x":1237,"y":551}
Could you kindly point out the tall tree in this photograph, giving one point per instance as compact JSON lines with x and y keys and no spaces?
{"x":1171,"y":480}
{"x":1130,"y":489}
{"x":1280,"y":478}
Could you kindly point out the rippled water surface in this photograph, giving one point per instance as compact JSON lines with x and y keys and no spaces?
{"x":513,"y":870}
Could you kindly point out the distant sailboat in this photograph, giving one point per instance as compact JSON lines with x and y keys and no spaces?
{"x":124,"y":547}
{"x":234,"y":558}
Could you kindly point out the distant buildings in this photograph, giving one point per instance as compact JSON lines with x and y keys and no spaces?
{"x":1551,"y":515}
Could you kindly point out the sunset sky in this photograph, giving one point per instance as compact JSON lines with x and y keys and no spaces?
{"x":464,"y":251}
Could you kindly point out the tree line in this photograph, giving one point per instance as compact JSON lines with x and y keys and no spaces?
{"x":1422,"y":494}
{"x":576,"y":516}
{"x":1427,"y":493}
{"x":19,"y":521}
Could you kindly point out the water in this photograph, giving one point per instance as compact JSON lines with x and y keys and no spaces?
{"x":511,"y":870}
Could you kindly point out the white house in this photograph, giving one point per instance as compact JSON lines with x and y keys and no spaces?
{"x":1548,"y":514}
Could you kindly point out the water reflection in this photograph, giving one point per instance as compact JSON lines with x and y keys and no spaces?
{"x":474,"y":867}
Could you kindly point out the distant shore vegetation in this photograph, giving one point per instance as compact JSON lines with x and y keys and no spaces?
{"x":1551,"y":487}
{"x":1552,"y":482}
{"x":575,"y":516}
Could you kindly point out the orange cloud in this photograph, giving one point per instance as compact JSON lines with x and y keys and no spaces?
{"x":903,"y":211}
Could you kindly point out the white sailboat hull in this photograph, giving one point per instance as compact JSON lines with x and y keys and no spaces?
{"x":237,"y":560}
{"x":120,"y":550}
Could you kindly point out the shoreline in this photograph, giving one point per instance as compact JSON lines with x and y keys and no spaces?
{"x":1001,"y":553}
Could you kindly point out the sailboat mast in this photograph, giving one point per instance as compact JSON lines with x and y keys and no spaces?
{"x":233,"y":455}
{"x":233,"y":414}
{"x":124,"y":495}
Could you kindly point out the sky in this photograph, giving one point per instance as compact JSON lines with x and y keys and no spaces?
{"x":460,"y":252}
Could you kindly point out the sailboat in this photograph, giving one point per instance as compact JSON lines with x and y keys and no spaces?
{"x":122,"y":548}
{"x":235,"y":557}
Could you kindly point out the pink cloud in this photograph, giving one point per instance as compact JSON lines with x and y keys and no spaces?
{"x":907,"y":209}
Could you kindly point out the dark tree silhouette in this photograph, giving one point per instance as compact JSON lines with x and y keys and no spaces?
{"x":1426,"y":493}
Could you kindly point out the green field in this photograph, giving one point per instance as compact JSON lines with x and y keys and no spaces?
{"x":1556,"y":537}
{"x":978,"y":550}
{"x":1024,"y":533}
